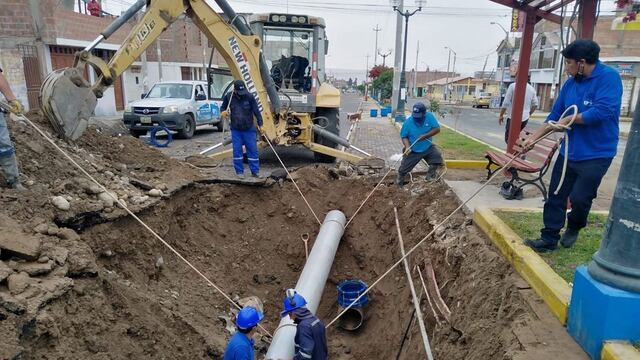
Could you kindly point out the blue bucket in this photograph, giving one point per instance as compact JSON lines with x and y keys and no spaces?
{"x":373,"y":113}
{"x":384,"y":112}
{"x":349,"y":290}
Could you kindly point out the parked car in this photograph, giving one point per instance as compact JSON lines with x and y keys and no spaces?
{"x":179,"y":105}
{"x":482,"y":100}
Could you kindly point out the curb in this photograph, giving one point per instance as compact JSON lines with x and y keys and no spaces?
{"x":457,"y":164}
{"x":555,"y":292}
{"x":539,"y":210}
{"x":619,"y":350}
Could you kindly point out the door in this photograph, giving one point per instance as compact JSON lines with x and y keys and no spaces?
{"x":205,"y":114}
{"x":32,"y":74}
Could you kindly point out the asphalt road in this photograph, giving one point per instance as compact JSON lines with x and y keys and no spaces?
{"x":207,"y":136}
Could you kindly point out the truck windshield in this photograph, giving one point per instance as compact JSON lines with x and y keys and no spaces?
{"x":284,"y":43}
{"x":171,"y":91}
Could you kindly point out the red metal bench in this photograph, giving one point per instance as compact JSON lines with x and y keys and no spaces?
{"x":537,"y":162}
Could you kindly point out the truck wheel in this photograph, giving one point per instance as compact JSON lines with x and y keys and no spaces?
{"x":333,"y":120}
{"x":189,"y":128}
{"x":137,"y":133}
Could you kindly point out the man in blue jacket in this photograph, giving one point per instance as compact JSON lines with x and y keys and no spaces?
{"x":310,"y":340}
{"x":417,"y":130}
{"x":242,"y":107}
{"x":240,"y":346}
{"x":596,"y":89}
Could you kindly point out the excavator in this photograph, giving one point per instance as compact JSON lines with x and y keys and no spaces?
{"x":280,"y":57}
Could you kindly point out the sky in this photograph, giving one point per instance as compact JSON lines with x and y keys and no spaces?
{"x":464,"y":26}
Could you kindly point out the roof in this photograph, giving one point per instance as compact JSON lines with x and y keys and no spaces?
{"x":450,"y":80}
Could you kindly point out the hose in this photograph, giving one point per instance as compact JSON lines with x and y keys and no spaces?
{"x":154,"y":141}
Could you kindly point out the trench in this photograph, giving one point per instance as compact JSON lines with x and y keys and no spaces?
{"x":248,"y":241}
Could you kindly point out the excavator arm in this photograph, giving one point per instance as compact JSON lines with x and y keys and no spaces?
{"x":69,"y":100}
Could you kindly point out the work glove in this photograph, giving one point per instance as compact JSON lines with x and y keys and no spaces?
{"x":16,"y":107}
{"x":224,"y":114}
{"x":261,"y":130}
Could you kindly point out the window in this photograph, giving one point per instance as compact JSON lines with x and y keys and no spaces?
{"x":200,"y":90}
{"x":472,"y":90}
{"x":170,"y":91}
{"x":219,"y":84}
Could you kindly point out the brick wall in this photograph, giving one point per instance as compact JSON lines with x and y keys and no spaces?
{"x":15,"y":19}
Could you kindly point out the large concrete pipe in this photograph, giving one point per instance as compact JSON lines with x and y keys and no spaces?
{"x":311,"y":282}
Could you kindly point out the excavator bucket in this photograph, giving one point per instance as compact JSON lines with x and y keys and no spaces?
{"x":68,"y":102}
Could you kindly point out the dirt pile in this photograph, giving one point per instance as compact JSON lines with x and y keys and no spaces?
{"x":110,"y":291}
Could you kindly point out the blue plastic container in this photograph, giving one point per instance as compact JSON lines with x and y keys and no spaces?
{"x":373,"y":113}
{"x":349,"y":290}
{"x":384,"y":112}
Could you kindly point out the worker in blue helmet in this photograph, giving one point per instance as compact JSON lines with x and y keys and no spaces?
{"x":240,"y":346}
{"x":310,"y":340}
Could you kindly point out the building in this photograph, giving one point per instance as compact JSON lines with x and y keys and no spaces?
{"x":417,"y":81}
{"x":462,"y":89}
{"x":39,"y":36}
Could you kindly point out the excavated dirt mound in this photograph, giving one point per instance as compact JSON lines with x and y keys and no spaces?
{"x":111,"y":291}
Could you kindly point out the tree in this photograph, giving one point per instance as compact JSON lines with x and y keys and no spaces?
{"x":384,"y":84}
{"x":631,"y":6}
{"x":376,"y":71}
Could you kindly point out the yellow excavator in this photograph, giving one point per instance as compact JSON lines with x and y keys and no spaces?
{"x":280,"y":57}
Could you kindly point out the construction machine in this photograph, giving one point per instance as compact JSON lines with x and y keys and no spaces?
{"x":297,"y":108}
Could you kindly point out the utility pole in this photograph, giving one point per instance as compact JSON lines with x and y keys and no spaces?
{"x":415,"y":73}
{"x":384,"y":57}
{"x":366,"y":74}
{"x":395,"y":94}
{"x":484,"y":67}
{"x":446,"y":83}
{"x":377,"y":29}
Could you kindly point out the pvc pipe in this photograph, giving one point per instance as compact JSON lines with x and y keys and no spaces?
{"x":226,"y":141}
{"x":311,"y":282}
{"x":336,"y":139}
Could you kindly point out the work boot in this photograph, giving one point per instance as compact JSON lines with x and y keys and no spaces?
{"x":433,"y":173}
{"x":9,"y":166}
{"x":240,"y":176}
{"x":255,"y":175}
{"x":569,"y":237}
{"x":400,"y":181}
{"x":17,"y":186}
{"x":540,"y":245}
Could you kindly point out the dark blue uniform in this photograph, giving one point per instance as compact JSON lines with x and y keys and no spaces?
{"x":310,"y":340}
{"x":242,"y":109}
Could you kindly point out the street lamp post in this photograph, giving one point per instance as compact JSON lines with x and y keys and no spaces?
{"x":403,"y":79}
{"x":455,"y":56}
{"x":506,"y":42}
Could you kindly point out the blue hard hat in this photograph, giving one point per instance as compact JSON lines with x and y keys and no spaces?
{"x":292,"y":301}
{"x":248,"y":317}
{"x":419,"y":110}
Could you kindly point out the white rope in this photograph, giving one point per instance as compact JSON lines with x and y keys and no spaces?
{"x":123,"y":206}
{"x":513,"y":157}
{"x":406,"y":151}
{"x":564,"y":128}
{"x":293,"y":181}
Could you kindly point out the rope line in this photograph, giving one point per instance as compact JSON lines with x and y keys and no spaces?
{"x":293,"y":181}
{"x":123,"y":206}
{"x":564,"y":128}
{"x":355,"y":301}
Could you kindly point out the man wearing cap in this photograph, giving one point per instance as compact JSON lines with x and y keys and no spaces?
{"x":240,"y":346}
{"x":416,"y":135}
{"x":242,"y":107}
{"x":310,"y":340}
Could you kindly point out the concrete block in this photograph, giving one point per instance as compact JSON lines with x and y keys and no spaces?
{"x":599,"y":312}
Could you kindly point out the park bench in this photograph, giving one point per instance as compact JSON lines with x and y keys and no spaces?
{"x":535,"y":162}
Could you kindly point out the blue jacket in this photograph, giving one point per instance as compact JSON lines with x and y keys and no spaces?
{"x":598,"y":98}
{"x":243,"y":109}
{"x":240,"y":347}
{"x":310,"y":341}
{"x":413,"y":129}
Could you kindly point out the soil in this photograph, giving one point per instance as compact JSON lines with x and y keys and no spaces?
{"x":109,"y":290}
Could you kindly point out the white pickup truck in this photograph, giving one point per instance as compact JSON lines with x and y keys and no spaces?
{"x":179,"y":105}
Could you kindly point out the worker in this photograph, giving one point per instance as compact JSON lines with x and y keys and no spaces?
{"x":310,"y":339}
{"x":94,"y":7}
{"x":416,"y":134}
{"x":8,"y":161}
{"x":596,"y":89}
{"x":530,"y":106}
{"x":242,"y":107}
{"x":240,"y":346}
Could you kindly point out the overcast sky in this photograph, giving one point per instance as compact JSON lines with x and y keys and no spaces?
{"x":462,"y":25}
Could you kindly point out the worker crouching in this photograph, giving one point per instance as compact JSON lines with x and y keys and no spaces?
{"x":242,"y":107}
{"x":240,"y":346}
{"x":310,"y":340}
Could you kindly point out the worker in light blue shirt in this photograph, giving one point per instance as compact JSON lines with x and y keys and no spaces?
{"x":596,"y":89}
{"x":240,"y":346}
{"x":416,"y":135}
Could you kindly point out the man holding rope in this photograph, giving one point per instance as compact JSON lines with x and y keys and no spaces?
{"x":416,"y":135}
{"x":596,"y":90}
